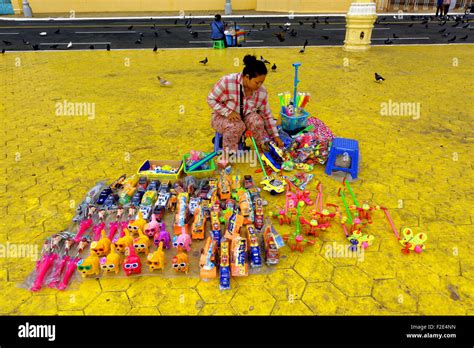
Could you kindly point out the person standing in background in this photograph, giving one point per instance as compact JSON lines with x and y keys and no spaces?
{"x":446,"y":4}
{"x":439,"y":8}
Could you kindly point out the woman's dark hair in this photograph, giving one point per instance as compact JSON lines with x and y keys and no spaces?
{"x":217,"y":17}
{"x":254,"y":67}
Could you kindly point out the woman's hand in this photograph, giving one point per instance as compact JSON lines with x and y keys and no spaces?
{"x":279,"y":142}
{"x":233,"y":116}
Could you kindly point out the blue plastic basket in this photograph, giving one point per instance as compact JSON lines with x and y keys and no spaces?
{"x":293,"y":123}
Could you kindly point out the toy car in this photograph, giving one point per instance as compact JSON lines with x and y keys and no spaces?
{"x":126,"y":195}
{"x":159,"y":212}
{"x":81,"y":211}
{"x":224,"y":278}
{"x":153,"y":186}
{"x":118,"y":184}
{"x":199,"y":224}
{"x":142,"y":183}
{"x":272,"y":255}
{"x":146,"y":211}
{"x":259,"y":218}
{"x":254,"y":253}
{"x":274,"y":157}
{"x":273,"y":184}
{"x":248,"y":182}
{"x":208,"y":267}
{"x":149,"y":198}
{"x":193,"y":204}
{"x":165,"y":185}
{"x":137,"y":198}
{"x":163,"y":198}
{"x":103,"y":196}
{"x":110,"y":202}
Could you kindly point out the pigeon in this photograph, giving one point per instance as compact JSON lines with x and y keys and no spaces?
{"x":154,"y":26}
{"x":463,"y":38}
{"x":410,"y":25}
{"x":57,"y":31}
{"x":424,"y":22}
{"x":465,"y":26}
{"x":69,"y":45}
{"x":313,"y":25}
{"x":267,"y":24}
{"x":130,"y":27}
{"x":163,"y":82}
{"x":195,"y":34}
{"x":253,"y":25}
{"x":141,"y":34}
{"x":317,"y":20}
{"x":379,"y":78}
{"x":293,"y":33}
{"x":455,"y":25}
{"x":3,"y":51}
{"x":395,"y":36}
{"x":36,"y":47}
{"x":175,"y":22}
{"x":442,"y":23}
{"x":138,"y":42}
{"x":8,"y":43}
{"x":43,"y":33}
{"x":302,"y":50}
{"x":91,"y":47}
{"x":388,"y":42}
{"x":325,"y":37}
{"x":274,"y":67}
{"x":452,"y":39}
{"x":447,"y":34}
{"x":280,"y":36}
{"x":167,"y":31}
{"x":442,"y":30}
{"x":155,"y":48}
{"x":108,"y":47}
{"x":300,"y":22}
{"x":264,"y":60}
{"x":156,"y":34}
{"x":202,"y":22}
{"x":204,"y":61}
{"x":326,"y":20}
{"x":26,"y":42}
{"x":53,"y":46}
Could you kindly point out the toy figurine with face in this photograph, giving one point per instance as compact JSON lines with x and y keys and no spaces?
{"x":111,"y":263}
{"x":156,"y":260}
{"x":182,"y":241}
{"x":138,"y":224}
{"x":162,"y":236}
{"x":132,"y":263}
{"x":152,"y":227}
{"x":141,"y":243}
{"x":180,"y":262}
{"x":102,"y":246}
{"x":89,"y":265}
{"x":124,"y":242}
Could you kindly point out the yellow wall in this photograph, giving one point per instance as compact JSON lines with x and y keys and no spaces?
{"x":55,"y":6}
{"x":52,"y":6}
{"x":314,"y":6}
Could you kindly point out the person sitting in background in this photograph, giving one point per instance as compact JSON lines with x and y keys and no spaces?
{"x":217,"y":27}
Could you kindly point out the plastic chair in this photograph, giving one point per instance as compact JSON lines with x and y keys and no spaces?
{"x":217,"y":141}
{"x":219,"y":44}
{"x":339,"y":147}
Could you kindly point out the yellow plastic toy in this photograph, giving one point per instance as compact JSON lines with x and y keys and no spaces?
{"x":102,"y":246}
{"x":138,"y":224}
{"x":156,"y":260}
{"x":112,"y":261}
{"x":89,"y":265}
{"x":141,"y":243}
{"x":124,"y":242}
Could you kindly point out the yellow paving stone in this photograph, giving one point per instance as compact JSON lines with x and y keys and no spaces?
{"x":438,"y":304}
{"x":459,"y":289}
{"x":38,"y":305}
{"x":217,"y":309}
{"x":338,"y":254}
{"x":78,"y":294}
{"x":296,"y":307}
{"x":394,"y":296}
{"x":109,"y":303}
{"x":352,"y":281}
{"x":136,"y":311}
{"x":423,"y":163}
{"x":250,"y":300}
{"x":378,"y":265}
{"x":147,"y":291}
{"x":210,"y":292}
{"x":181,"y":302}
{"x":314,"y":268}
{"x":12,"y":297}
{"x":285,"y":285}
{"x":324,"y":299}
{"x":364,"y":306}
{"x":70,"y":313}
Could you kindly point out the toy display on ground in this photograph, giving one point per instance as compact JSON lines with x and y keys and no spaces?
{"x":212,"y":224}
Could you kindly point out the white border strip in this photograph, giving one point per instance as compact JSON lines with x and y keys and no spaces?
{"x":210,"y":17}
